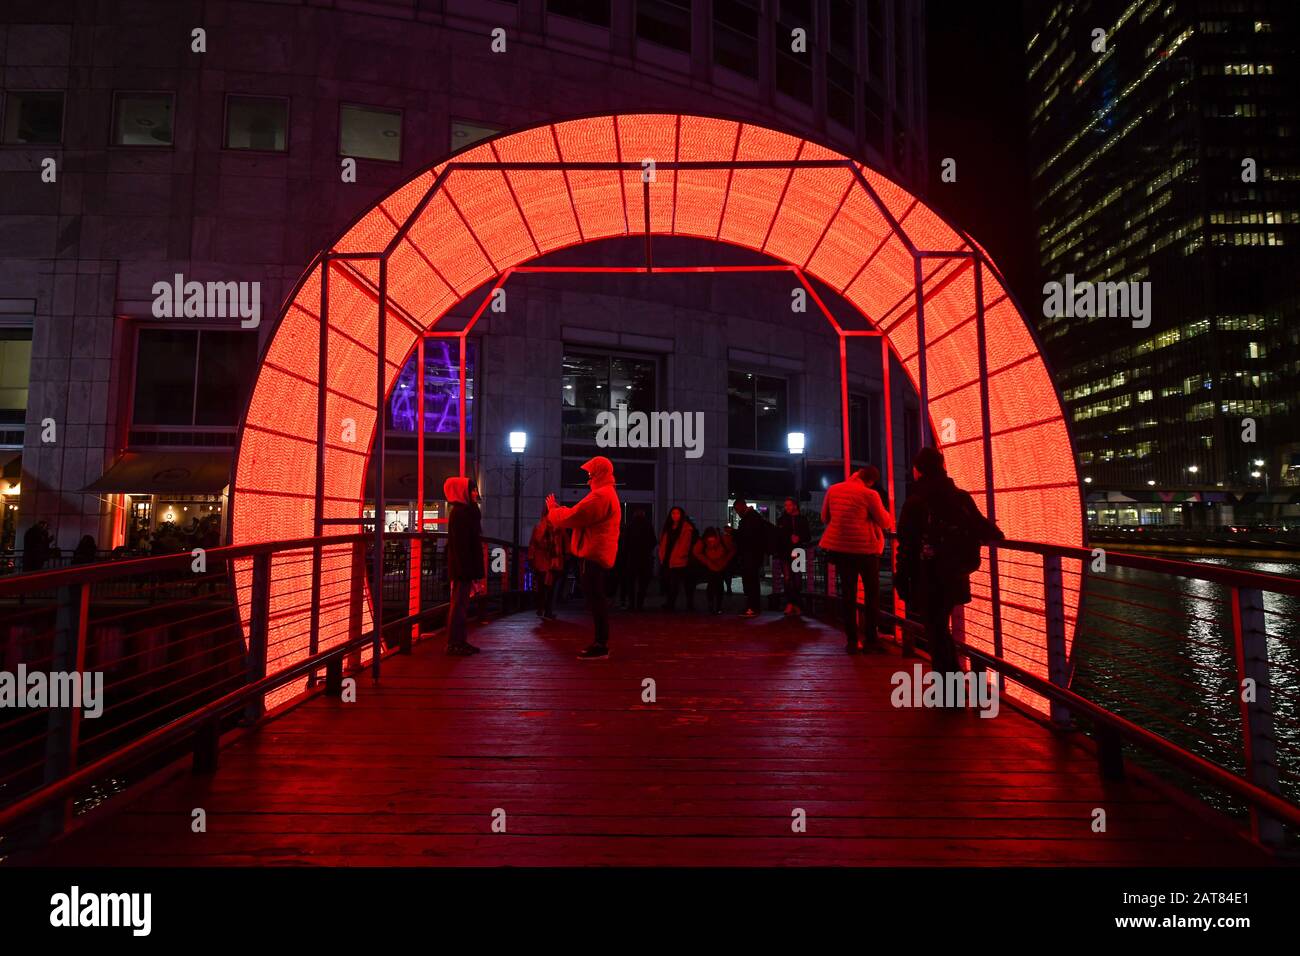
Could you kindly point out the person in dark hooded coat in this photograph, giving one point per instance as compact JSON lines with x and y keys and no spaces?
{"x":464,"y":558}
{"x":940,"y":532}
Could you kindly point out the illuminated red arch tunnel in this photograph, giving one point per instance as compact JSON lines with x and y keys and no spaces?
{"x":473,"y":219}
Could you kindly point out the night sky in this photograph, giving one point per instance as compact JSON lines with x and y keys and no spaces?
{"x":977,"y":113}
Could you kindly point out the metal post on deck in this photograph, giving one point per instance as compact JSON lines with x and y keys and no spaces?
{"x":1250,"y":639}
{"x":990,"y":500}
{"x":318,"y":526}
{"x":922,"y":376}
{"x":63,"y":730}
{"x":259,"y":619}
{"x":1054,"y":605}
{"x":415,"y":566}
{"x":381,"y":393}
{"x":905,"y":638}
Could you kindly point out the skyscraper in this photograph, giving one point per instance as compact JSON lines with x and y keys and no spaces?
{"x":1164,"y":153}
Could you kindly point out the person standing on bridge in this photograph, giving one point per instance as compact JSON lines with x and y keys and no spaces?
{"x":594,"y":521}
{"x":754,"y":538}
{"x":940,"y":532}
{"x":854,"y":538}
{"x":464,"y":558}
{"x":675,"y":543}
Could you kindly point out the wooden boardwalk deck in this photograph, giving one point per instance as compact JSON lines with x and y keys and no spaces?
{"x":753,"y":719}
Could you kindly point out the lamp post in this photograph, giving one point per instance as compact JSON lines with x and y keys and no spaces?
{"x":795,"y":443}
{"x":518,"y":442}
{"x":1261,"y":470}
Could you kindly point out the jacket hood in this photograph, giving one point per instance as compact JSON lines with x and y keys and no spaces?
{"x":456,"y":489}
{"x":601,"y":470}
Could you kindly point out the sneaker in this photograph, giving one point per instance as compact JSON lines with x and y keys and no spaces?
{"x":873,"y":647}
{"x":750,"y":612}
{"x":794,"y":610}
{"x":550,"y":617}
{"x":789,"y":609}
{"x":462,"y":650}
{"x":595,"y":652}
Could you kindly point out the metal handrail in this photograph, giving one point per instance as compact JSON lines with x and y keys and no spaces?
{"x":209,"y":716}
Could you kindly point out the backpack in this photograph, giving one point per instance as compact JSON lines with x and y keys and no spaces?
{"x":955,"y":532}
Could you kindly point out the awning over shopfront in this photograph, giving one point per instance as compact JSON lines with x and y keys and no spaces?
{"x":166,"y":472}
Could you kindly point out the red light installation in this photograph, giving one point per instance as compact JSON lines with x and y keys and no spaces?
{"x":474,"y":219}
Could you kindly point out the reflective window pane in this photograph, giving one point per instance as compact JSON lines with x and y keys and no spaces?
{"x":257,"y":122}
{"x":34,"y":119}
{"x":142,"y":119}
{"x":367,"y":132}
{"x":164,"y":377}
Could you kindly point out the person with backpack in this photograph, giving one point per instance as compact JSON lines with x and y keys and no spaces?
{"x":792,"y":536}
{"x":675,"y":543}
{"x":940,"y":533}
{"x":753,"y":542}
{"x":595,"y":524}
{"x":714,"y":552}
{"x":546,"y":555}
{"x":856,"y":522}
{"x":464,"y":558}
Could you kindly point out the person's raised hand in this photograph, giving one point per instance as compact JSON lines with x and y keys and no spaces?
{"x":550,"y":502}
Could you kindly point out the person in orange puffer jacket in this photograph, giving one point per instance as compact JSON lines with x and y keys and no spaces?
{"x":595,"y":522}
{"x":675,"y":545}
{"x":714,"y":550}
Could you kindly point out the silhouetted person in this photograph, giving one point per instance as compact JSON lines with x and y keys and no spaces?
{"x":36,"y":546}
{"x":546,"y":555}
{"x":792,"y":534}
{"x":637,"y":546}
{"x":594,"y":521}
{"x":714,"y":552}
{"x":85,"y":551}
{"x":854,"y":538}
{"x":753,"y":541}
{"x":675,"y":543}
{"x":464,"y":558}
{"x":940,"y":532}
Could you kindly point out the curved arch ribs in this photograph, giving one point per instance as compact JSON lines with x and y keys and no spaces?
{"x":928,"y":291}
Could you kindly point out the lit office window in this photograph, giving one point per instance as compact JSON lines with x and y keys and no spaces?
{"x":257,"y":122}
{"x":756,"y":411}
{"x":142,"y":119}
{"x":665,"y":22}
{"x":602,"y":383}
{"x":368,"y":132}
{"x":33,"y":119}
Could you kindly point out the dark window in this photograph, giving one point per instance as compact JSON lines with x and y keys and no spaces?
{"x":875,"y":115}
{"x":34,"y":119}
{"x":665,"y":22}
{"x":756,"y":411}
{"x":187,"y":377}
{"x":793,"y":72}
{"x":602,"y":383}
{"x":797,"y":13}
{"x":441,"y":391}
{"x":900,"y":53}
{"x":844,"y":27}
{"x":862,"y":428}
{"x":142,"y":119}
{"x":876,"y":38}
{"x":735,"y":36}
{"x":588,"y":11}
{"x":839,"y":91}
{"x":257,"y":122}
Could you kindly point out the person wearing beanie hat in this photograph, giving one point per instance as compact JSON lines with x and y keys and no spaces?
{"x":595,"y":523}
{"x":464,"y":558}
{"x":940,"y":532}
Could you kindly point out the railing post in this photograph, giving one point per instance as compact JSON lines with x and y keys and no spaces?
{"x":1250,"y":640}
{"x":413,"y":604}
{"x":1054,"y":608}
{"x":259,"y":614}
{"x":64,"y":728}
{"x":356,"y":600}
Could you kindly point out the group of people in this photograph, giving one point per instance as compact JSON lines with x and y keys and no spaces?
{"x":940,"y":533}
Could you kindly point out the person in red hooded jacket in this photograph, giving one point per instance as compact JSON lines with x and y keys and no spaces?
{"x":595,"y":521}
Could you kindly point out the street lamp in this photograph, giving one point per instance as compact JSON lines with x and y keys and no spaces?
{"x":795,"y":443}
{"x":1261,"y":471}
{"x":518,"y":442}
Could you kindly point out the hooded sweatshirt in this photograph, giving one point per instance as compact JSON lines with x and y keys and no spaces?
{"x":464,"y":532}
{"x":595,"y":518}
